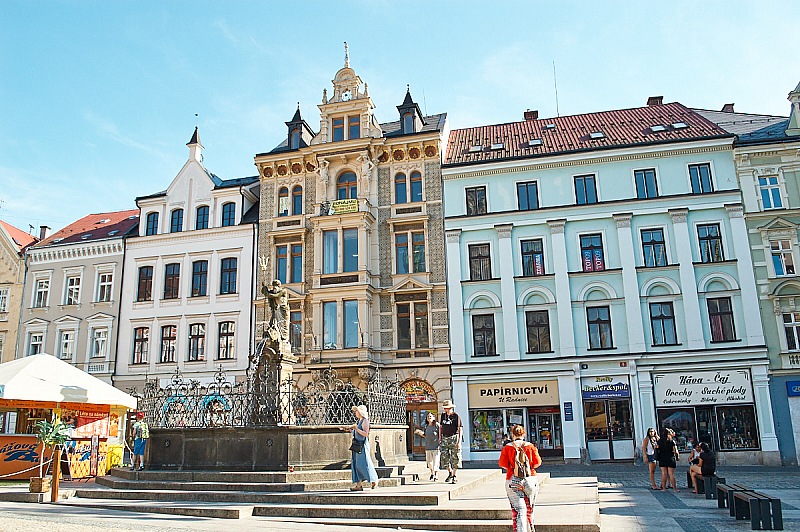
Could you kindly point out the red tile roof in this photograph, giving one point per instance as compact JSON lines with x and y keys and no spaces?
{"x":94,"y":227}
{"x":620,"y":128}
{"x":20,"y":237}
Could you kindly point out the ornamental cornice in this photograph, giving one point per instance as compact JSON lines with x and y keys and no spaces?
{"x":503,"y":230}
{"x":735,"y":210}
{"x":453,"y":236}
{"x":623,"y":219}
{"x":678,"y":215}
{"x":557,"y":226}
{"x":581,"y":162}
{"x":208,"y":235}
{"x":57,"y":253}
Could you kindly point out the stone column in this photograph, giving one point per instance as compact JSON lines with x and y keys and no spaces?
{"x":509,"y":300}
{"x":572,"y":431}
{"x":740,"y":250}
{"x":630,"y":283}
{"x":566,"y":328}
{"x":455,"y":297}
{"x":461,"y":400}
{"x":766,"y":424}
{"x":691,"y":303}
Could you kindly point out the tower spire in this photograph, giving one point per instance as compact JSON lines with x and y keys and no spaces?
{"x":346,"y":55}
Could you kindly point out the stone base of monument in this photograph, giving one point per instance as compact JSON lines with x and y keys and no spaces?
{"x":268,"y":448}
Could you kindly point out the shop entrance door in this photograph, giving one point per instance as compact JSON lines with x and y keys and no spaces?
{"x":545,"y":430}
{"x":706,"y":426}
{"x":609,"y":429}
{"x":416,"y":414}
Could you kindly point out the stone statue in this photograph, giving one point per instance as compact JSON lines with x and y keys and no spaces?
{"x":278,"y":326}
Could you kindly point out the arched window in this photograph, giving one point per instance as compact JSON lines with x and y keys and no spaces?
{"x":400,"y":193}
{"x":176,"y":221}
{"x":346,"y":186}
{"x":408,"y":123}
{"x":295,"y":143}
{"x":201,"y":221}
{"x":416,"y":186}
{"x":297,"y":200}
{"x":283,"y":201}
{"x":228,"y":214}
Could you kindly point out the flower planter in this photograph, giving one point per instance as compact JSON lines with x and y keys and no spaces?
{"x":39,"y":484}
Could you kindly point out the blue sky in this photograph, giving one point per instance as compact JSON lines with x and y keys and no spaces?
{"x":98,"y":98}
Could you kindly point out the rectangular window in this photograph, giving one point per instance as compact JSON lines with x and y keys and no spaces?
{"x":404,"y":326}
{"x":296,"y":331}
{"x":537,"y":325}
{"x":35,"y":341}
{"x":599,"y":321}
{"x":197,"y":342}
{"x":281,"y":262}
{"x":354,"y":127}
{"x":527,"y":196}
{"x":737,"y":427}
{"x":480,"y":262}
{"x":791,"y":327}
{"x":141,"y":344}
{"x":416,"y":186}
{"x":169,"y":335}
{"x":172,"y":280}
{"x":338,"y":129}
{"x":418,"y":242}
{"x":662,"y":323}
{"x":700,"y":176}
{"x":99,"y":343}
{"x":532,"y":257}
{"x":4,"y":299}
{"x":421,"y":325}
{"x":483,"y":339}
{"x":351,"y":328}
{"x":227,"y":337}
{"x":770,"y":192}
{"x":199,"y":278}
{"x":585,"y":190}
{"x":72,"y":294}
{"x":152,"y":224}
{"x":646,"y":183}
{"x":592,"y":257}
{"x":720,"y":317}
{"x":350,"y":248}
{"x":417,"y":262}
{"x":296,"y":270}
{"x":400,"y":191}
{"x":476,"y":201}
{"x":654,"y":248}
{"x":330,"y":331}
{"x":66,"y":345}
{"x":144,"y":291}
{"x":710,"y":239}
{"x":401,"y":252}
{"x":330,"y":252}
{"x":228,"y":214}
{"x":41,"y":293}
{"x":409,"y":337}
{"x":782,"y":258}
{"x":227,"y":282}
{"x":105,"y":285}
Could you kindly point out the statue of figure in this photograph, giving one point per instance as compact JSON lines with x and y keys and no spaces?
{"x":278,"y":327}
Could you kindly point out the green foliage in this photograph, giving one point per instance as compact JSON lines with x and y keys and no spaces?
{"x":50,"y":434}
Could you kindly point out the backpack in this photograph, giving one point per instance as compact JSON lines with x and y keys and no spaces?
{"x":145,"y":430}
{"x":522,"y":465}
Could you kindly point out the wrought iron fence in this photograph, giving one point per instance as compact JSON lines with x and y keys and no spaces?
{"x":260,"y":401}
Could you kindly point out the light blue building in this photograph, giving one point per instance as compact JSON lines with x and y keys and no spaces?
{"x":599,"y":281}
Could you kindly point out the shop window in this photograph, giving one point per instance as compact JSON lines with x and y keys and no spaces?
{"x":176,"y":221}
{"x":169,"y":335}
{"x":537,"y":325}
{"x":532,"y":252}
{"x":700,"y":176}
{"x":489,"y":427}
{"x":151,"y":227}
{"x":654,"y":248}
{"x":483,"y":337}
{"x":596,"y":421}
{"x":297,"y":200}
{"x":199,"y":278}
{"x":682,"y":421}
{"x":227,"y":341}
{"x":770,"y":192}
{"x":201,"y":221}
{"x":646,"y":183}
{"x":283,"y":201}
{"x":782,"y":257}
{"x":662,"y":323}
{"x":476,"y":200}
{"x":710,"y":240}
{"x":592,"y":257}
{"x":720,"y":317}
{"x":791,"y":327}
{"x":737,"y":427}
{"x":144,"y":291}
{"x":480,"y":262}
{"x":228,"y":214}
{"x":172,"y":278}
{"x":141,"y":343}
{"x":599,"y":322}
{"x":585,"y":189}
{"x":197,"y":342}
{"x":227,"y":284}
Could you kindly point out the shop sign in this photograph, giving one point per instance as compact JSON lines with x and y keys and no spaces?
{"x":605,"y":387}
{"x":513,"y":394}
{"x":344,"y":205}
{"x":703,"y":387}
{"x":793,"y":388}
{"x":568,"y":415}
{"x":419,"y":391}
{"x":86,"y":423}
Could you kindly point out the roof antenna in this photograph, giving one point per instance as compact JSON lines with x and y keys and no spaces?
{"x":346,"y":56}
{"x":555,"y":84}
{"x":424,"y":103}
{"x":196,"y":120}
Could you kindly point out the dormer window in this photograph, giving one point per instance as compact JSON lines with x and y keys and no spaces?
{"x":408,"y":123}
{"x":295,"y":142}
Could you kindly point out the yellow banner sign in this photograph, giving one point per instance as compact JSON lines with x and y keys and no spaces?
{"x":344,"y":205}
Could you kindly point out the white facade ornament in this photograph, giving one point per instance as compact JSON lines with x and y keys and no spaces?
{"x":324,"y":96}
{"x":735,"y":210}
{"x":453,"y":236}
{"x":503,"y":230}
{"x":557,"y":226}
{"x":678,"y":215}
{"x":623,"y":220}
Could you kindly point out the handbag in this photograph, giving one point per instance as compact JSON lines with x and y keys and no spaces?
{"x":357,"y":446}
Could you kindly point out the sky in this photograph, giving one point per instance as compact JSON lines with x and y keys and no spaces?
{"x":98,"y":98}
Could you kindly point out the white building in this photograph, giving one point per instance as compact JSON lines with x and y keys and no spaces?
{"x":188,"y":286}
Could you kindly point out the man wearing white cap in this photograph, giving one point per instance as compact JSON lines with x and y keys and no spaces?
{"x":450,"y":440}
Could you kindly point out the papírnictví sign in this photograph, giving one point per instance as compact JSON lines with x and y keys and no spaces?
{"x":703,"y":387}
{"x":513,"y":394}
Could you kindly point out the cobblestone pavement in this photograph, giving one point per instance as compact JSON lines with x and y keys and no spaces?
{"x":627,"y":504}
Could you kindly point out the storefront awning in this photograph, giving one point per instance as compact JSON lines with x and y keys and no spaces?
{"x":46,"y":379}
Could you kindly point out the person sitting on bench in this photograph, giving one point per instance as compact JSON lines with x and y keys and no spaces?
{"x":706,"y":465}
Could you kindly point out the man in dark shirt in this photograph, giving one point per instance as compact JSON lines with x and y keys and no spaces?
{"x":451,"y":440}
{"x":706,"y":465}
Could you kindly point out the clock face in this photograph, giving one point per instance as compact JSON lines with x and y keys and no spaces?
{"x":346,"y":96}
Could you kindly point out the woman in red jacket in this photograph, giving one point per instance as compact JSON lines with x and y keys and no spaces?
{"x":520,"y":460}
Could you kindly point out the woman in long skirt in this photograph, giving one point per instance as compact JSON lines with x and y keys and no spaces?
{"x":361,"y":465}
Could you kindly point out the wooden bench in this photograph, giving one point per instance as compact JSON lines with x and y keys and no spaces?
{"x":725,"y":495}
{"x":763,"y":511}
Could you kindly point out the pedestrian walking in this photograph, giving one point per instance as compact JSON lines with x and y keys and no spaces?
{"x":649,"y":449}
{"x":431,"y":435}
{"x":450,"y":443}
{"x":141,"y":433}
{"x":668,"y":459}
{"x":361,"y":467}
{"x":520,"y":460}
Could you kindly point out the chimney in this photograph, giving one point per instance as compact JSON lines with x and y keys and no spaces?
{"x":655,"y":100}
{"x":727,"y":108}
{"x":44,"y":232}
{"x":531,"y":115}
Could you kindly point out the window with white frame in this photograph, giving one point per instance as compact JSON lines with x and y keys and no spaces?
{"x":105,"y":283}
{"x":66,"y":345}
{"x":141,"y":345}
{"x":791,"y":327}
{"x":782,"y":257}
{"x":99,"y":343}
{"x":483,"y":335}
{"x":169,"y":337}
{"x":330,"y":251}
{"x":197,"y":342}
{"x":700,"y":177}
{"x":72,"y":290}
{"x":41,"y":293}
{"x":2,"y":343}
{"x":227,"y":340}
{"x":770,"y":191}
{"x":4,"y":299}
{"x":330,"y":325}
{"x":35,"y":342}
